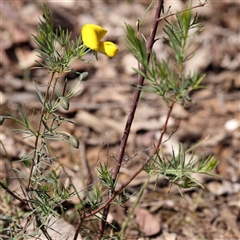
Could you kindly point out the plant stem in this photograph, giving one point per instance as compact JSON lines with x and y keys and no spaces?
{"x":170,"y":108}
{"x":39,"y":223}
{"x":130,"y":118}
{"x":23,"y":201}
{"x":38,"y":130}
{"x":135,"y":204}
{"x":185,"y":10}
{"x":78,"y":228}
{"x":116,"y":192}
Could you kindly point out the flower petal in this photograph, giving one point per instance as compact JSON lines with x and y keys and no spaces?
{"x":92,"y":34}
{"x":108,"y":48}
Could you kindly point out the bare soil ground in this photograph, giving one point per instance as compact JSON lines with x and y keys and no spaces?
{"x":101,"y":109}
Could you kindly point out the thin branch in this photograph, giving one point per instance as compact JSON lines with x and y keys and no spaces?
{"x":39,"y":223}
{"x":130,"y":118}
{"x":38,"y":131}
{"x":23,"y":201}
{"x":165,"y":125}
{"x":25,"y":226}
{"x":78,"y":228}
{"x":119,"y":190}
{"x":185,"y":10}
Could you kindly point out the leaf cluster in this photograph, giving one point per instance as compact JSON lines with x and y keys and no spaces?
{"x":168,"y":79}
{"x":178,"y":35}
{"x":135,"y":45}
{"x":179,"y":168}
{"x":56,"y":47}
{"x":105,"y":176}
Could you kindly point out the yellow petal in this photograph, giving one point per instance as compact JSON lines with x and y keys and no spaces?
{"x":92,"y":34}
{"x":108,"y":48}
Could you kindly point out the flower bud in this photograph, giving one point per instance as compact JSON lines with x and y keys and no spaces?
{"x":83,"y":76}
{"x":64,"y":103}
{"x":74,"y":141}
{"x":1,"y":120}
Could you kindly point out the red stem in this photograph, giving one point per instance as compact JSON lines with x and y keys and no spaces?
{"x":130,"y":118}
{"x":116,"y":192}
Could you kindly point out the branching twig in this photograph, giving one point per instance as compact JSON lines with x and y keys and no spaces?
{"x":39,"y":223}
{"x":38,"y":131}
{"x":23,"y":201}
{"x":78,"y":228}
{"x":116,"y":192}
{"x":165,"y":125}
{"x":130,"y":118}
{"x":185,"y":10}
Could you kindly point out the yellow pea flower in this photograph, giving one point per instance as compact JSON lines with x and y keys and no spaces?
{"x":92,"y":35}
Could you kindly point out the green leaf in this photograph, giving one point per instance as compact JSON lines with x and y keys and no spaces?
{"x":40,"y":95}
{"x":135,"y":45}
